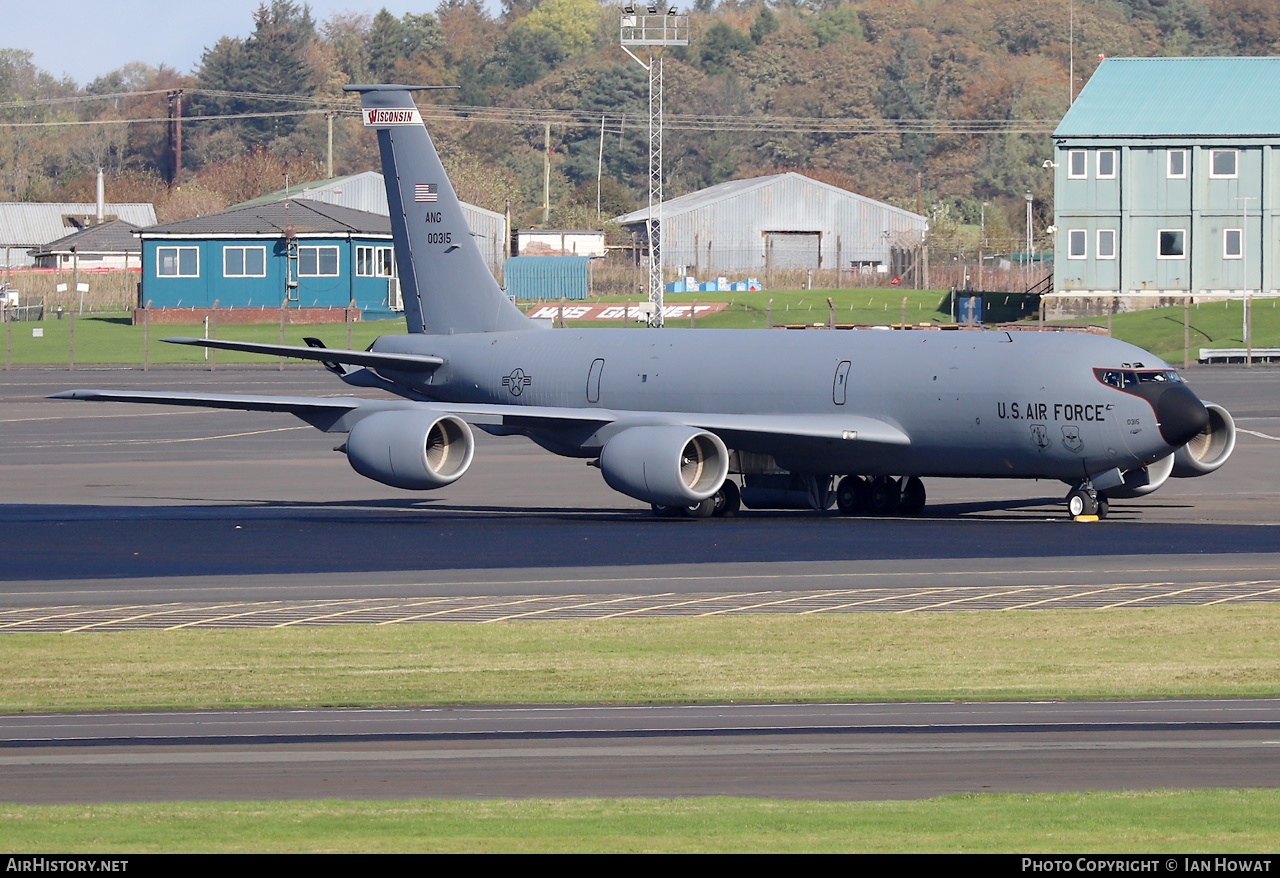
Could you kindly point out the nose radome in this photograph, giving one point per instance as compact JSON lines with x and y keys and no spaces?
{"x":1181,"y":413}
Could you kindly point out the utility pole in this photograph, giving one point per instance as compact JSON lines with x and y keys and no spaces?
{"x":546,"y":176}
{"x":175,"y":137}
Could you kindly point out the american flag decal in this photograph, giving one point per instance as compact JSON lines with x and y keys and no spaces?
{"x":424,"y":192}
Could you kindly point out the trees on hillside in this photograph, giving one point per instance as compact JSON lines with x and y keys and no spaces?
{"x":907,"y":80}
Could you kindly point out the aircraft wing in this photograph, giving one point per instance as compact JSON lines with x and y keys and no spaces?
{"x":401,"y":362}
{"x":338,"y":414}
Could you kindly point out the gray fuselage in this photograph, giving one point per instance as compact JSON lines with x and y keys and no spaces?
{"x":989,"y":404}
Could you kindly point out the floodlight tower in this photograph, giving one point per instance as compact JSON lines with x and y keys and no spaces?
{"x":654,"y":27}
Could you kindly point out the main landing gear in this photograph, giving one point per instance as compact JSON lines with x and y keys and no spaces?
{"x":724,"y":503}
{"x":881,"y":495}
{"x":1086,"y":500}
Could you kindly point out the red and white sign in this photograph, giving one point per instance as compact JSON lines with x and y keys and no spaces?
{"x":383,"y":117}
{"x":619,"y":312}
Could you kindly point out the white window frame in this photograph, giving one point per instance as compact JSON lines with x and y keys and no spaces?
{"x":1213,"y":164}
{"x":374,"y":261}
{"x":243,"y":260}
{"x":1071,"y":164}
{"x":1182,"y":255}
{"x":385,"y":262}
{"x":1115,"y":163}
{"x":337,"y":260}
{"x":1168,"y":167}
{"x":177,"y":257}
{"x":1226,"y":244}
{"x":1081,"y":237}
{"x":1102,"y":251}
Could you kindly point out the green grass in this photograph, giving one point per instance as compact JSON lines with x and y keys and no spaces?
{"x":110,"y":339}
{"x":1124,"y":653}
{"x":1195,"y":821}
{"x":749,"y":309}
{"x":1213,"y":325}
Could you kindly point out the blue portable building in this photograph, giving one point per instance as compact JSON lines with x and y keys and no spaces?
{"x":302,"y":252}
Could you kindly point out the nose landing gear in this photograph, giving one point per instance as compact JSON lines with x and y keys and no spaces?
{"x":1084,"y":500}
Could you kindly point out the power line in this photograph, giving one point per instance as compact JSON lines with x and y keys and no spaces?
{"x":613,"y":122}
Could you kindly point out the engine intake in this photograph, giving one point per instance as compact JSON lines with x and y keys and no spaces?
{"x":669,"y":466}
{"x":411,"y":449}
{"x":1208,"y":449}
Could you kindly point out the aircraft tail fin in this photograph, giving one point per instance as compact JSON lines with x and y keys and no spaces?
{"x":446,"y":286}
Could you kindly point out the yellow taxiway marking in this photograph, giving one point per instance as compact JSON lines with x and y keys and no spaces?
{"x":467,"y":607}
{"x":788,"y":600}
{"x":1169,"y":594}
{"x":985,"y":594}
{"x":418,"y":603}
{"x":1120,"y":586}
{"x":562,"y":609}
{"x":259,"y":608}
{"x":674,"y":604}
{"x":880,"y":600}
{"x":1241,"y":597}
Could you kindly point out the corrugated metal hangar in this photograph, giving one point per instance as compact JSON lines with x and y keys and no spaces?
{"x":780,"y":221}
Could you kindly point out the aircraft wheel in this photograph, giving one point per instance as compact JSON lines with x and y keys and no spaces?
{"x":661,"y":511}
{"x":728,"y":500}
{"x":911,"y":496}
{"x":883,"y":496}
{"x":1104,"y":508}
{"x":1081,"y":502}
{"x":703,"y":509}
{"x":852,"y":495}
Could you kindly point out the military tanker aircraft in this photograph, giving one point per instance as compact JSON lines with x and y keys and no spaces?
{"x":677,"y":419}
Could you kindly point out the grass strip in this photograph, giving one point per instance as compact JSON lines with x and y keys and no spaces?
{"x":1167,"y":821}
{"x":1120,"y":653}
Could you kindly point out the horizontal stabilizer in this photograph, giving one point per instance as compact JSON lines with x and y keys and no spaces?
{"x":398,"y":362}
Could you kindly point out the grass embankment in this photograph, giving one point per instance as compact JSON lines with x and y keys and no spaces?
{"x":1042,"y":654}
{"x":751,"y":309}
{"x":1213,"y":325}
{"x":111,"y":339}
{"x":1196,"y":821}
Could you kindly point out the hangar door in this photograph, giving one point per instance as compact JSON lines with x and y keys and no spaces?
{"x":793,"y":249}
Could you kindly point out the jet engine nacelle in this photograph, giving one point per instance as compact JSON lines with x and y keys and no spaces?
{"x":1145,"y":480}
{"x":411,"y":449}
{"x":668,"y":466}
{"x":1210,"y":448}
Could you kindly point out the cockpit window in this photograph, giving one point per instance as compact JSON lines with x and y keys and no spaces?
{"x":1123,"y":379}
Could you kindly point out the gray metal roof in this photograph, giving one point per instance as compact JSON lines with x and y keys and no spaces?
{"x":24,"y":225}
{"x":1192,"y":97}
{"x":270,"y":219}
{"x":734,"y":188}
{"x":116,"y":236}
{"x":365,"y":191}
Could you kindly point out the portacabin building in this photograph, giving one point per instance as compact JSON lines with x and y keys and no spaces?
{"x":292,"y":252}
{"x":1167,"y":182}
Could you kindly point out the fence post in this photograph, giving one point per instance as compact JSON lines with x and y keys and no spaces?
{"x":1186,"y":331}
{"x":350,"y":316}
{"x":146,"y":337}
{"x":71,"y":342}
{"x":8,"y":335}
{"x":213,"y":333}
{"x":282,"y":304}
